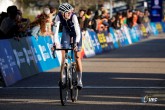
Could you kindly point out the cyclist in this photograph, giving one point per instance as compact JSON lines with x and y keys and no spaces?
{"x":70,"y":32}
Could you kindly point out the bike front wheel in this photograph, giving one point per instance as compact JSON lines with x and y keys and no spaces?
{"x":63,"y":87}
{"x":74,"y":89}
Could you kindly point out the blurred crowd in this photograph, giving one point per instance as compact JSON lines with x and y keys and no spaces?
{"x":100,"y":20}
{"x":12,"y":24}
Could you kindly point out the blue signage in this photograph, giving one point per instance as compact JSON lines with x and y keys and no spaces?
{"x":156,"y":10}
{"x":95,"y":42}
{"x":8,"y":66}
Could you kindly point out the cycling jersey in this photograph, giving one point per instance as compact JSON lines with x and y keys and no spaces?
{"x":70,"y":29}
{"x":71,"y":25}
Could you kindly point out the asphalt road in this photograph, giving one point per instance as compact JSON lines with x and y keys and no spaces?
{"x":117,"y":80}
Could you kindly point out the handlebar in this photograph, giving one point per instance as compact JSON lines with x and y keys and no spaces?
{"x":54,"y":49}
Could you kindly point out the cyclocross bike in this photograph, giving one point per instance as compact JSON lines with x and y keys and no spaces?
{"x":68,"y":77}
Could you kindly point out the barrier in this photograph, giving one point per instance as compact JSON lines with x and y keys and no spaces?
{"x":163,"y":26}
{"x":87,"y":44}
{"x":126,"y":31}
{"x":8,"y":66}
{"x":95,"y":42}
{"x":159,"y":27}
{"x":154,"y":30}
{"x":41,"y":49}
{"x":114,"y":38}
{"x":29,"y":56}
{"x":108,"y":40}
{"x":103,"y":42}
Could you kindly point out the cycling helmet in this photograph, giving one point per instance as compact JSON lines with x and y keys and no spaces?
{"x":65,"y":7}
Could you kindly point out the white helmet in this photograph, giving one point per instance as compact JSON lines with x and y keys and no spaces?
{"x":65,"y":7}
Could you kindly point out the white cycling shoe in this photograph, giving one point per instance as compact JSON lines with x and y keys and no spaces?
{"x":79,"y":85}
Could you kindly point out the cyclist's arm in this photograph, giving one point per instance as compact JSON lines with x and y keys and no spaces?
{"x":56,"y":29}
{"x":77,"y":28}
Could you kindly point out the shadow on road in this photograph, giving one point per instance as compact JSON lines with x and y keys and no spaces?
{"x":153,"y":48}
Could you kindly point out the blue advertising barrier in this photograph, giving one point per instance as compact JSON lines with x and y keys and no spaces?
{"x":138,"y":34}
{"x":115,"y":43}
{"x":108,"y":40}
{"x":51,"y":62}
{"x":133,"y":35}
{"x":95,"y":42}
{"x":36,"y":53}
{"x":154,"y":30}
{"x":41,"y":48}
{"x":163,"y":26}
{"x":9,"y":68}
{"x":124,"y":37}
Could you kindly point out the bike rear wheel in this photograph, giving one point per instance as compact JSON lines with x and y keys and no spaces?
{"x":74,"y":89}
{"x":64,"y":90}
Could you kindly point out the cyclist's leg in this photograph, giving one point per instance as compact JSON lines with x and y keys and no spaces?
{"x":62,"y":65}
{"x":65,"y":43}
{"x":79,"y":64}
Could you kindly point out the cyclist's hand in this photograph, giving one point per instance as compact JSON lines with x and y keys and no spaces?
{"x":75,"y":47}
{"x":53,"y":47}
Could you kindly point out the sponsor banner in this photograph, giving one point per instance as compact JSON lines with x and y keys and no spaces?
{"x":124,"y":36}
{"x":148,"y":28}
{"x":144,"y":31}
{"x":29,"y":55}
{"x":103,"y":42}
{"x":120,"y":40}
{"x":114,"y":37}
{"x":88,"y":47}
{"x":43,"y":55}
{"x":8,"y":66}
{"x":154,"y":30}
{"x":33,"y":44}
{"x":126,"y":31}
{"x":52,"y":62}
{"x":156,"y":10}
{"x":133,"y":35}
{"x":95,"y":42}
{"x":163,"y":26}
{"x":159,"y":27}
{"x":138,"y":32}
{"x":109,"y":40}
{"x":21,"y":58}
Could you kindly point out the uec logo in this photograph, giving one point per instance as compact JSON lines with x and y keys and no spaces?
{"x":149,"y":99}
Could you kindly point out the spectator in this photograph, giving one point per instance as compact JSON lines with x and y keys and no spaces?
{"x":8,"y":24}
{"x":23,"y":24}
{"x":129,"y":18}
{"x":81,"y":18}
{"x":140,"y":15}
{"x":112,"y":22}
{"x":88,"y":19}
{"x":53,"y":12}
{"x":134,"y":19}
{"x":100,"y":10}
{"x":146,"y":18}
{"x":124,"y":19}
{"x":42,"y":24}
{"x":117,"y":23}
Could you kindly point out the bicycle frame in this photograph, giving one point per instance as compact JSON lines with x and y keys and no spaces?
{"x":70,"y":79}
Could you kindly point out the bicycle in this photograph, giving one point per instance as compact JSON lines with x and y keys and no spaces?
{"x":68,"y":77}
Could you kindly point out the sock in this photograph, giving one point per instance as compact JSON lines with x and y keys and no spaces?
{"x":79,"y":76}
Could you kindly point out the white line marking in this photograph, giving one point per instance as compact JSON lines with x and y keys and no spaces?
{"x":88,"y":87}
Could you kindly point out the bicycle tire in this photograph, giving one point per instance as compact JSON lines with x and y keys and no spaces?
{"x":63,"y":88}
{"x":74,"y":89}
